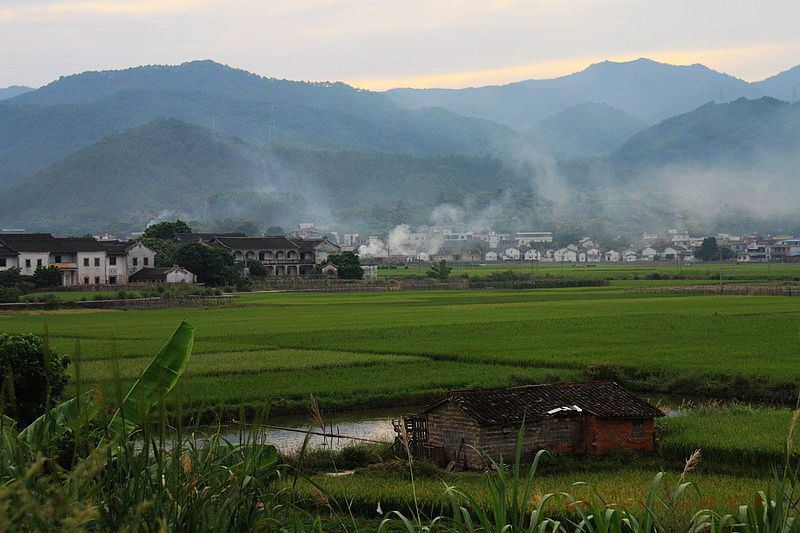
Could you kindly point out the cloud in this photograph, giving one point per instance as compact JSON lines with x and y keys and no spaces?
{"x":98,"y":7}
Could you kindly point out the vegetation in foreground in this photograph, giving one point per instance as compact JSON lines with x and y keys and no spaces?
{"x":85,"y":464}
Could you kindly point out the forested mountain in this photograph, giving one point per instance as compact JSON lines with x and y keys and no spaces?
{"x":167,"y":165}
{"x":586,"y":130}
{"x":42,"y":126}
{"x":645,"y":89}
{"x":14,"y":90}
{"x":742,"y":133}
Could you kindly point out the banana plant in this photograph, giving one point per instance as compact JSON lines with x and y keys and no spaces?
{"x":18,"y":448}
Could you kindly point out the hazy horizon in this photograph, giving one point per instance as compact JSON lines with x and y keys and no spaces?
{"x":448,"y":44}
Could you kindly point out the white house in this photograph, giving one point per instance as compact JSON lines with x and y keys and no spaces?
{"x":423,"y":256}
{"x":649,"y":254}
{"x":511,"y":254}
{"x":581,"y":257}
{"x":587,"y":242}
{"x":491,"y":256}
{"x":565,"y":255}
{"x":82,"y":261}
{"x":594,"y":255}
{"x":670,"y":253}
{"x":532,"y":254}
{"x":629,"y":256}
{"x":612,"y":256}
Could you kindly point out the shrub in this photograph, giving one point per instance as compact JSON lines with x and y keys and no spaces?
{"x":604,"y":372}
{"x":9,"y":295}
{"x":33,"y":377}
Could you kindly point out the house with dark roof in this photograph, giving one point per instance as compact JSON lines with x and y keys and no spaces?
{"x":280,"y":255}
{"x":588,"y":418}
{"x":81,"y":260}
{"x":168,"y":275}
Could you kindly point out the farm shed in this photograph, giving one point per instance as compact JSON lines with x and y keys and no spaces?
{"x":591,"y":418}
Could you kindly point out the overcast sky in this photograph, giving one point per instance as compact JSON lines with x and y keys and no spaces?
{"x":379,"y":44}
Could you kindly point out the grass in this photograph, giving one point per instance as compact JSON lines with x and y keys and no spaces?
{"x":755,"y":271}
{"x":731,"y":437}
{"x":405,"y":347}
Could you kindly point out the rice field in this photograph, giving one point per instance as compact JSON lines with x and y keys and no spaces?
{"x":730,"y":271}
{"x":401,"y":348}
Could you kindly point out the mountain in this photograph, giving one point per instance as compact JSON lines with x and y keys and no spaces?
{"x":49,"y":123}
{"x":783,"y":86}
{"x":169,"y":166}
{"x":643,"y":88}
{"x":132,"y":176}
{"x":742,"y":133}
{"x":14,"y":90}
{"x":586,"y":130}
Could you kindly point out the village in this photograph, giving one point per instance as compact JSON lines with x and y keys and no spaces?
{"x":106,"y":260}
{"x":532,"y":246}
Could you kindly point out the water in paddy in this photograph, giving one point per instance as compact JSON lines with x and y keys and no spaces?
{"x":287,"y":433}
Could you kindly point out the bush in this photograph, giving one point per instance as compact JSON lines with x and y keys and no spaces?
{"x":9,"y":295}
{"x":32,"y":376}
{"x":604,"y":372}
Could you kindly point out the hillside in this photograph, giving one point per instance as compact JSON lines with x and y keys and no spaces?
{"x":14,"y":90}
{"x":742,"y":133}
{"x":131,"y":177}
{"x":586,"y":130}
{"x":167,"y":165}
{"x":49,"y":123}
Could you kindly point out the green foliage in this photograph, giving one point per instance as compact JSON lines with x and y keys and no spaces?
{"x":11,"y":278}
{"x":9,"y":295}
{"x":440,"y":271}
{"x":164,"y":249}
{"x":33,"y":377}
{"x":212,"y":266}
{"x":256,"y":268}
{"x":347,"y":264}
{"x":46,"y":277}
{"x":166,"y":230}
{"x":711,"y":251}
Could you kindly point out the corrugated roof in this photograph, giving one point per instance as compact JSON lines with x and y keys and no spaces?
{"x":605,"y":399}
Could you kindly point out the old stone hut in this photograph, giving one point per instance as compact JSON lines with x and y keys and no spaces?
{"x":591,"y":418}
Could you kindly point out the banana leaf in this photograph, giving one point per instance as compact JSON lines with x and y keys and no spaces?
{"x":72,"y":414}
{"x":156,"y":382}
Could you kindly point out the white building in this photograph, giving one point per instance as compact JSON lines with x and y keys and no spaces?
{"x":526,"y":238}
{"x":612,"y":256}
{"x":511,"y":254}
{"x":81,"y":260}
{"x":532,"y":254}
{"x":630,"y":256}
{"x":649,"y":254}
{"x":491,"y":255}
{"x":594,"y":255}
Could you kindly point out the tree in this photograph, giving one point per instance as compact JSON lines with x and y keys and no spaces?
{"x":439,"y":271}
{"x":10,"y":278}
{"x":348,"y":264}
{"x":711,"y":251}
{"x":166,"y":230}
{"x":164,"y":249}
{"x":256,"y":268}
{"x":32,"y":376}
{"x":212,"y":266}
{"x":49,"y":276}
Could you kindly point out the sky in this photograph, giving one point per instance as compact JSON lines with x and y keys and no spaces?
{"x":377,"y":44}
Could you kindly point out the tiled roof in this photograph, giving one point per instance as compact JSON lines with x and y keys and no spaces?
{"x":44,"y":243}
{"x":7,"y":252}
{"x":204,"y":237}
{"x":604,"y":399}
{"x":150,"y":274}
{"x":257,"y":243}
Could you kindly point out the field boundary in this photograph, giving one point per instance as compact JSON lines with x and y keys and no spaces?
{"x":733,"y":289}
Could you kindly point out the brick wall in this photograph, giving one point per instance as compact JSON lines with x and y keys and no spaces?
{"x":449,"y":427}
{"x":557,"y":435}
{"x":604,"y":435}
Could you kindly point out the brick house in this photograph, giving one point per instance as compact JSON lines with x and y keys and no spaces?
{"x":590,"y":418}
